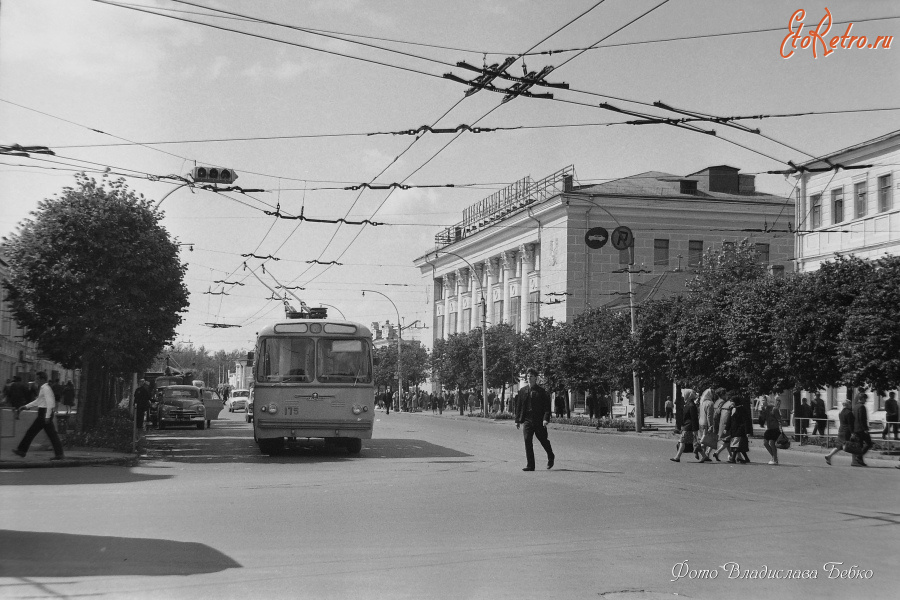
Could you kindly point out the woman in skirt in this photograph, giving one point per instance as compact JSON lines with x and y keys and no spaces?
{"x":845,"y":430}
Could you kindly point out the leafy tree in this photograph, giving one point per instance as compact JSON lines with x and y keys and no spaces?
{"x":456,"y":361}
{"x":808,"y":323}
{"x":415,"y":364}
{"x":386,"y":369}
{"x":96,"y":281}
{"x":869,"y":348}
{"x":503,"y":355}
{"x":755,"y":359}
{"x":703,"y":357}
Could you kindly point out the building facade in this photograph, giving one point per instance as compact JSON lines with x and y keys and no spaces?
{"x":521,"y":253}
{"x":847,"y":204}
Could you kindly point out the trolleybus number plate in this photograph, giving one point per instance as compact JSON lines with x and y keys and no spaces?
{"x":292,"y":409}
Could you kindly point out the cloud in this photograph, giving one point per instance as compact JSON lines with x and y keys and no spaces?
{"x":90,"y":41}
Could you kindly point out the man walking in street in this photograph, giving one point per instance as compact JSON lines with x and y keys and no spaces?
{"x":820,"y":416}
{"x":46,"y":405}
{"x":861,"y":428}
{"x":533,"y":410}
{"x":891,"y":416}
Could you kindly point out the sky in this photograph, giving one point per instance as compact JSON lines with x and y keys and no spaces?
{"x":304,"y":115}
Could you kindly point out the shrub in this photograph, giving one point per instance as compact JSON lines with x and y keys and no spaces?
{"x":113,"y":430}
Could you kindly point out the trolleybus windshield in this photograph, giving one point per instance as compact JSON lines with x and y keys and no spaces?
{"x":303,"y":359}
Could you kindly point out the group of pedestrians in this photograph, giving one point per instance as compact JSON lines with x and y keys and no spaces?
{"x":853,"y":431}
{"x":716,"y":422}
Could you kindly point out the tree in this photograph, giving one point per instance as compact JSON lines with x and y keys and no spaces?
{"x":97,"y":283}
{"x":870,"y":340}
{"x":703,"y":357}
{"x":415,"y":364}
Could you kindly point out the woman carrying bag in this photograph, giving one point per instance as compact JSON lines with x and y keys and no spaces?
{"x":845,"y":432}
{"x":769,"y":419}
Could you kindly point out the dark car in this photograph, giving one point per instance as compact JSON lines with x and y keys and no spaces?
{"x":180,"y":405}
{"x":249,"y":416}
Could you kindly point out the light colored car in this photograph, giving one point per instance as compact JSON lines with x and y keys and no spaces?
{"x":238,"y":400}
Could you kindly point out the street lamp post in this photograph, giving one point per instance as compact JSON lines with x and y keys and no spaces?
{"x":483,"y":328}
{"x":399,"y":345}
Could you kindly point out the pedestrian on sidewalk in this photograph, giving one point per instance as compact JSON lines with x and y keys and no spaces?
{"x":689,"y":427}
{"x":804,"y":413}
{"x":533,"y":411}
{"x":141,"y":404}
{"x":891,"y":416}
{"x":669,"y":408}
{"x":845,"y":429}
{"x":861,"y":428}
{"x":819,"y":415}
{"x":46,"y":405}
{"x":768,"y":417}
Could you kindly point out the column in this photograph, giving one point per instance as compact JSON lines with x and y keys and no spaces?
{"x":476,"y":285}
{"x":461,"y":280}
{"x":509,"y":265}
{"x":492,"y":272}
{"x":527,"y":252}
{"x":447,"y":287}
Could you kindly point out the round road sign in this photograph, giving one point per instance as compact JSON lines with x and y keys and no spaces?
{"x":596,"y":237}
{"x":622,"y":238}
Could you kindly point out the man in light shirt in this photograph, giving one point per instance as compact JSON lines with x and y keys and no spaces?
{"x":46,"y":405}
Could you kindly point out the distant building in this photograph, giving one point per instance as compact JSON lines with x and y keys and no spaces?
{"x":851,"y":209}
{"x":523,"y":248}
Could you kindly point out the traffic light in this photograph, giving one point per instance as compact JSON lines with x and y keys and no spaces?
{"x":213,"y":175}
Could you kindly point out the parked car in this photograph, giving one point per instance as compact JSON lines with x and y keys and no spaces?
{"x":238,"y":400}
{"x":180,"y":405}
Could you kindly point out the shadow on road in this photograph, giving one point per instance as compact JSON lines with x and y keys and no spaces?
{"x":77,"y":476}
{"x":47,"y":554}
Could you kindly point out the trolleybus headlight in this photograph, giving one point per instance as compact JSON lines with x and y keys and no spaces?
{"x":356,"y":409}
{"x":273,"y":409}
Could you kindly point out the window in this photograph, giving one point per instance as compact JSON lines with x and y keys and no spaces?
{"x":451,"y":323}
{"x":695,"y":253}
{"x":859,"y":196}
{"x":438,"y":289}
{"x":815,"y":211}
{"x":885,"y":197}
{"x":661,"y":253}
{"x":776,"y":270}
{"x":467,"y":320}
{"x":438,"y":327}
{"x":498,"y":312}
{"x":534,"y":307}
{"x":837,"y":205}
{"x":286,"y":360}
{"x":343,"y":361}
{"x":762,"y":253}
{"x":515,"y":314}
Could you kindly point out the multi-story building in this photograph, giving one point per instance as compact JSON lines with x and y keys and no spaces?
{"x":524,"y":250}
{"x":847,"y":205}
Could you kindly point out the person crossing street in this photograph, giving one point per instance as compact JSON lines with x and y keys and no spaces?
{"x":533,"y":411}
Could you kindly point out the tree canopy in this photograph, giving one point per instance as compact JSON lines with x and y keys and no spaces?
{"x":95,"y":278}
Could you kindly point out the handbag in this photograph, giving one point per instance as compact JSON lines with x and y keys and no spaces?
{"x":709,"y":439}
{"x":783,"y":442}
{"x":853,"y":446}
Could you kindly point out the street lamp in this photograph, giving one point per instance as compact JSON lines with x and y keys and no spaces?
{"x":483,"y":328}
{"x":335,"y":308}
{"x":399,"y":342}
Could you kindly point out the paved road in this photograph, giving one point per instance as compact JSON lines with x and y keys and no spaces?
{"x":438,"y":507}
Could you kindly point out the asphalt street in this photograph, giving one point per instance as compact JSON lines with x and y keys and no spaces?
{"x":438,"y":507}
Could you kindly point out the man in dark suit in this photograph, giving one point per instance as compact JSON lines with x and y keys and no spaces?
{"x":533,"y":410}
{"x":861,"y":428}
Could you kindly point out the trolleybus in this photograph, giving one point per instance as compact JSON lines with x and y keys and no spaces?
{"x":313,"y":378}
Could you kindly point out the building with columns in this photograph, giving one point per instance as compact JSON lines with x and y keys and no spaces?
{"x":521,"y":252}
